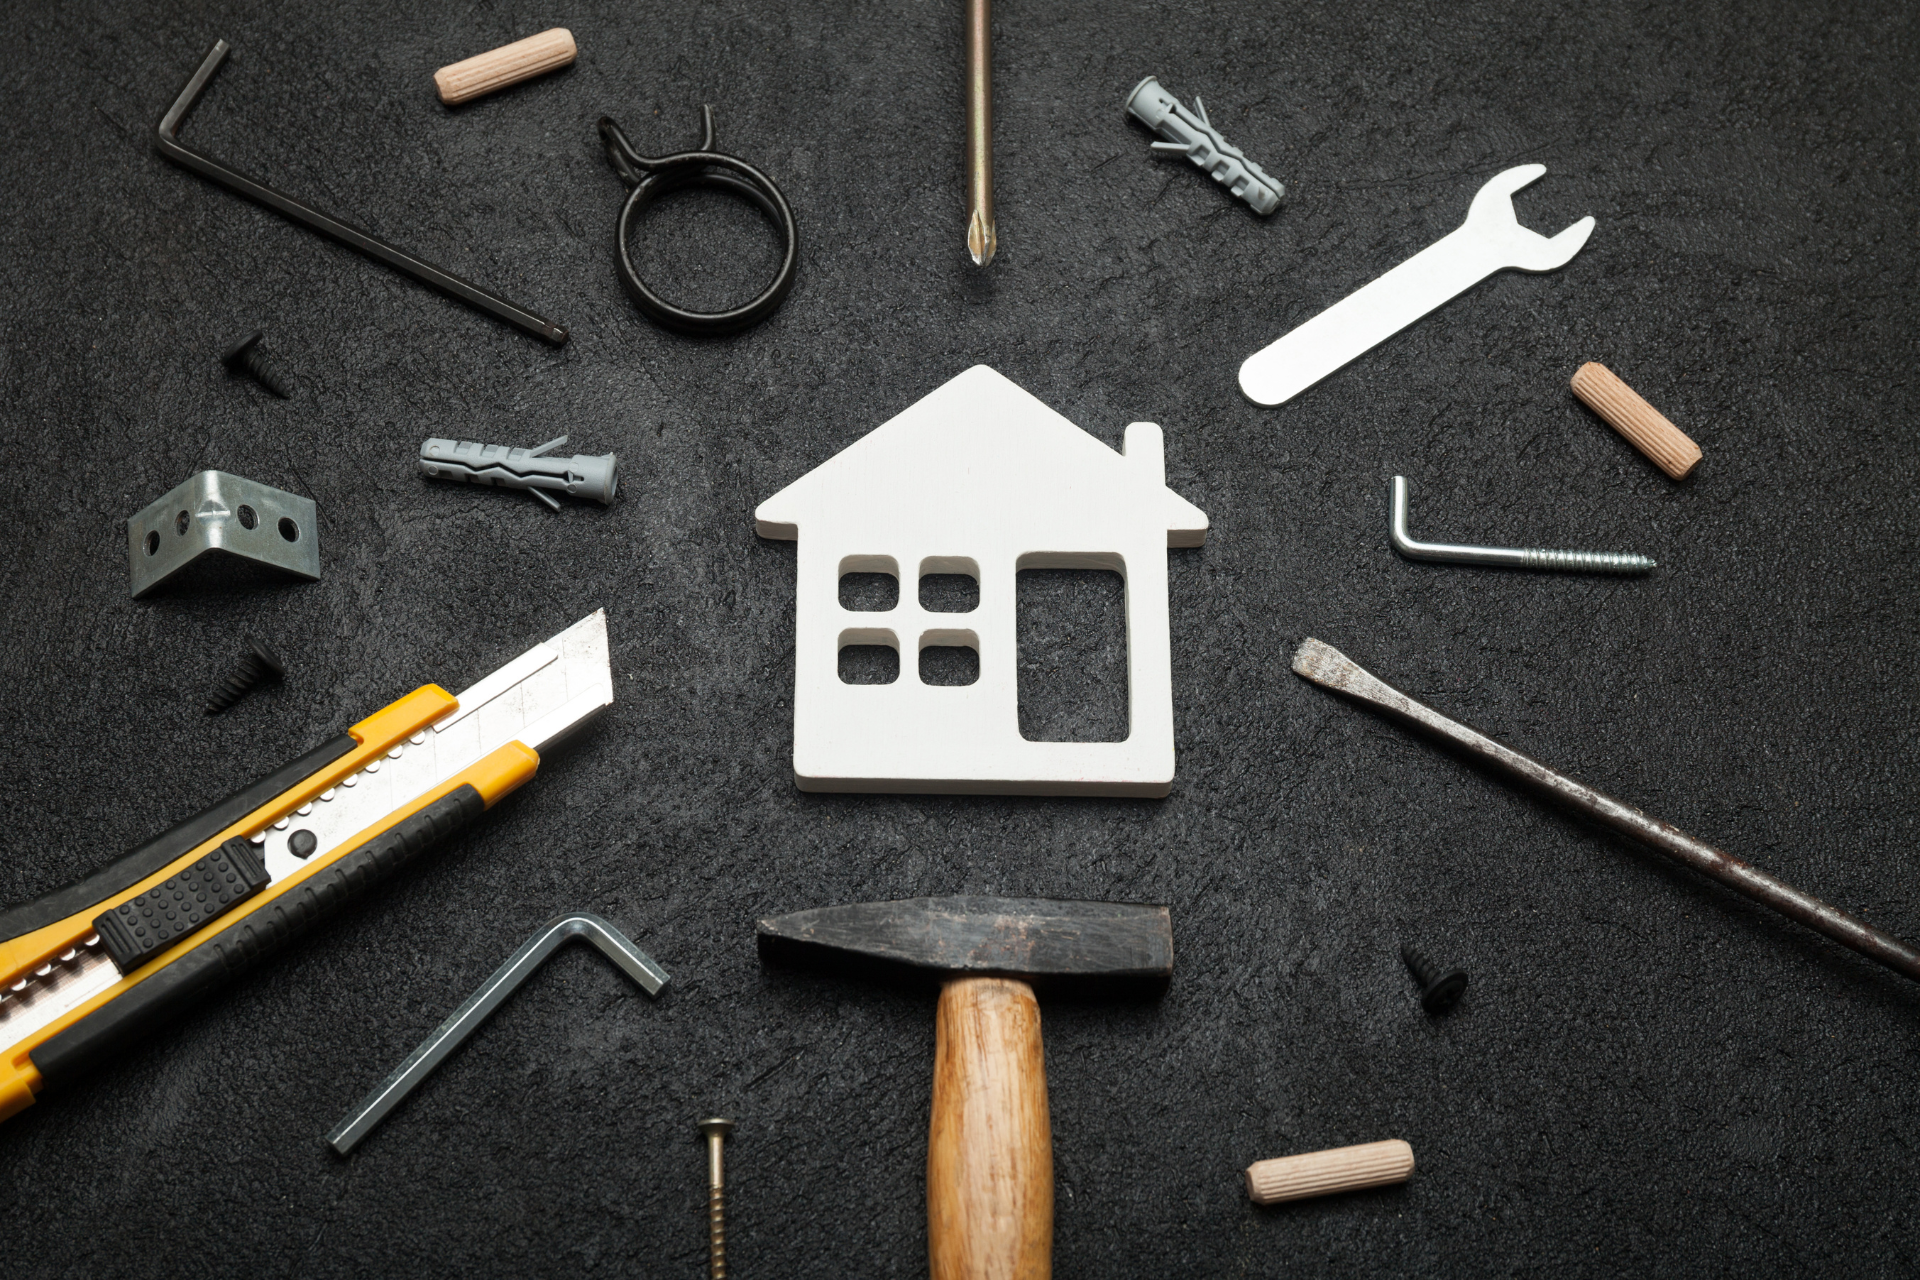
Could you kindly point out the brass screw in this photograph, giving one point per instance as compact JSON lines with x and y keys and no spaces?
{"x":716,"y":1131}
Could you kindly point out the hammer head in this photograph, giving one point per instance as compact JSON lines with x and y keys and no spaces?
{"x":1072,"y":945}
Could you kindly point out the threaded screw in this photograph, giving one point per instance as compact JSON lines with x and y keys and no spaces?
{"x":258,"y":663}
{"x":716,"y":1131}
{"x":1588,"y":561}
{"x":1620,"y":562}
{"x":246,"y":356}
{"x":1439,"y":991}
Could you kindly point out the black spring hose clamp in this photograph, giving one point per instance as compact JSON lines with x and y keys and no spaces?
{"x":651,"y":178}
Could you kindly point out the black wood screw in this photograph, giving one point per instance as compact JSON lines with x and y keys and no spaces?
{"x":1439,"y":992}
{"x":246,"y":355}
{"x":257,"y":664}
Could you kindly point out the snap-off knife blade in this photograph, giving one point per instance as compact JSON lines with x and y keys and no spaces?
{"x":86,"y":968}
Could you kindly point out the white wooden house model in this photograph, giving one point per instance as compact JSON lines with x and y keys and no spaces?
{"x":978,"y":478}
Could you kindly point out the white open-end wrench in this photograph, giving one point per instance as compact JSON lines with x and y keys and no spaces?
{"x":1490,"y":240}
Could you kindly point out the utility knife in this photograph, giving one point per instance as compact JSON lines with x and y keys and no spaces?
{"x":89,"y":968}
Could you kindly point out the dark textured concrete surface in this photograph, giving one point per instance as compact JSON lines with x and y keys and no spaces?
{"x":1647,"y":1076}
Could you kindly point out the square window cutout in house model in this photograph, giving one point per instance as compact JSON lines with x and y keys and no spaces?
{"x":978,"y":478}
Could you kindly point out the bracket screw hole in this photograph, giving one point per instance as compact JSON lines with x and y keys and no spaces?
{"x":153,"y":541}
{"x":180,"y":523}
{"x":288,"y":529}
{"x":247,"y":517}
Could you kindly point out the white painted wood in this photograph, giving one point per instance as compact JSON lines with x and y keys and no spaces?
{"x":979,"y":470}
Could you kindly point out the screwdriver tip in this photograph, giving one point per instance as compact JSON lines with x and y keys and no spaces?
{"x":1321,"y":663}
{"x":980,"y":239}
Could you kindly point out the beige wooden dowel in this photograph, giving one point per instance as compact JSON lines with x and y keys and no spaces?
{"x":509,"y":64}
{"x":1320,"y":1173}
{"x":1642,"y":424}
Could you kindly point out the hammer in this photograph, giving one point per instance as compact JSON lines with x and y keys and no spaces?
{"x":989,"y":1149}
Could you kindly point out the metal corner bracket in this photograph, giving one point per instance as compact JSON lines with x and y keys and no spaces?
{"x":217,"y":511}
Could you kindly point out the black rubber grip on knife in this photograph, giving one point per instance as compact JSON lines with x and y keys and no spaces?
{"x":129,"y":869}
{"x":230,"y":951}
{"x":185,"y":902}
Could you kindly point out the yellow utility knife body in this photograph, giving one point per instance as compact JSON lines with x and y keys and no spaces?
{"x":86,"y":968}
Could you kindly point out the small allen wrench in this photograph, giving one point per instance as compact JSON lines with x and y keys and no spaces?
{"x":449,"y":1035}
{"x":1622,"y":562}
{"x":170,"y":146}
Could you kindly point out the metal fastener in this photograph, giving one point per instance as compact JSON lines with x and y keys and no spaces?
{"x":716,"y":1131}
{"x":650,"y":177}
{"x":1505,"y":557}
{"x":258,"y":663}
{"x":215,"y":511}
{"x":246,"y":356}
{"x":1439,"y":991}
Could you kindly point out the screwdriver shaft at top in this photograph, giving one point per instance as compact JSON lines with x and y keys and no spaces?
{"x":980,"y":233}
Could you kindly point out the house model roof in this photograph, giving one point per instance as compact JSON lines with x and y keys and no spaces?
{"x":979,"y":452}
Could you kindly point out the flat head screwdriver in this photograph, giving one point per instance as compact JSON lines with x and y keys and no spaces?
{"x":1325,"y":665}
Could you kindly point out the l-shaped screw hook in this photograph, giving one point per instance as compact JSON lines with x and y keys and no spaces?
{"x":1620,"y":562}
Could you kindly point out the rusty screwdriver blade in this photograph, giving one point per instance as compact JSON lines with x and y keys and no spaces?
{"x":980,"y":235}
{"x":1325,"y":665}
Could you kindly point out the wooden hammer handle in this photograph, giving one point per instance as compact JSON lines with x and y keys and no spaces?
{"x":1643,"y":425}
{"x":990,"y":1149}
{"x":509,"y":64}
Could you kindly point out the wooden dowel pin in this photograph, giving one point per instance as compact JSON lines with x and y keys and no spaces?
{"x":1321,"y":1173}
{"x":1644,"y":426}
{"x":509,"y":64}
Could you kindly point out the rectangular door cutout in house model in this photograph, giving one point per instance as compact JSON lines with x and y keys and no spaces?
{"x":1071,"y":625}
{"x":925,"y":661}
